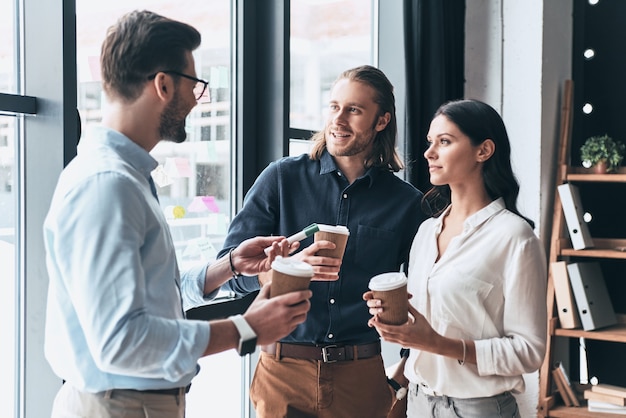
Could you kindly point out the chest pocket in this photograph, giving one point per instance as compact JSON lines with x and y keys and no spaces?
{"x":459,"y":300}
{"x":377,"y":250}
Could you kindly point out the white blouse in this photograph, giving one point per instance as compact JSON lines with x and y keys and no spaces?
{"x":490,"y":287}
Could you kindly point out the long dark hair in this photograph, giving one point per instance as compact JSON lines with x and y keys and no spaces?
{"x":479,"y":121}
{"x":384,"y":150}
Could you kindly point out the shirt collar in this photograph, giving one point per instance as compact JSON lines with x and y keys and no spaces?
{"x":477,"y":218}
{"x":128,"y":150}
{"x":328,"y":165}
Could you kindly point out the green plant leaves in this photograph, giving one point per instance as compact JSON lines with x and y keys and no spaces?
{"x":602,"y":148}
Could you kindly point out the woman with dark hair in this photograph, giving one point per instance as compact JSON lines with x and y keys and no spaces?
{"x":478,"y":275}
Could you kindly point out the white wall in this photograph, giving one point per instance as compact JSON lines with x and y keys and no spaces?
{"x":518,"y":53}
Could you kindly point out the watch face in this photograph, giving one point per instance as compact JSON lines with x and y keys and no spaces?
{"x":247,"y":346}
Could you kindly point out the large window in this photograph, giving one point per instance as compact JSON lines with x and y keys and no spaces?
{"x":193,"y":178}
{"x":327,"y":38}
{"x":8,"y":63}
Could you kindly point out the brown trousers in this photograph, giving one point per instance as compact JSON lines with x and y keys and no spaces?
{"x":294,"y":388}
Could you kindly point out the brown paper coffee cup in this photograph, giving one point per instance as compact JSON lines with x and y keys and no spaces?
{"x":391,"y":289}
{"x":337,"y":234}
{"x":289,"y":275}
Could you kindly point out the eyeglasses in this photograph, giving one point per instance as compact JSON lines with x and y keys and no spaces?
{"x":200,"y":90}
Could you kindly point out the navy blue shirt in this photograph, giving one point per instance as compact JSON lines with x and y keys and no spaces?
{"x":381,"y":211}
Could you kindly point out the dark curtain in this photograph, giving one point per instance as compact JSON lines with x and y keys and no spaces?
{"x":434,"y":50}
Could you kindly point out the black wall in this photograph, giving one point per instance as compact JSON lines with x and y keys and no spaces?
{"x":601,"y":81}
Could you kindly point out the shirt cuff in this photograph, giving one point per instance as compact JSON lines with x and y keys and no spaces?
{"x":192,"y":287}
{"x":485,"y":366}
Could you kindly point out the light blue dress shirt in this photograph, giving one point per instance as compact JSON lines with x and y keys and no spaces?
{"x":115,"y":317}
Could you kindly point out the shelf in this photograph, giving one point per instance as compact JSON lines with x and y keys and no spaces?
{"x":603,"y":248}
{"x":578,"y":174}
{"x":582,"y":411}
{"x":615,"y":333}
{"x":561,"y":249}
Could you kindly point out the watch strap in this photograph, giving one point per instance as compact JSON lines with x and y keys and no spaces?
{"x":247,"y":336}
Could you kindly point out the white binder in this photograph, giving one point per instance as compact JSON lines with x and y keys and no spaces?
{"x":573,"y":210}
{"x":565,"y":302}
{"x":592,"y":297}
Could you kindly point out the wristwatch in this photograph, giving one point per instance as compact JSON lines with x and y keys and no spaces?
{"x":247,"y":336}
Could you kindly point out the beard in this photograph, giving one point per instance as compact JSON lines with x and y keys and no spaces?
{"x":172,"y":124}
{"x":355,"y":148}
{"x":361,"y":143}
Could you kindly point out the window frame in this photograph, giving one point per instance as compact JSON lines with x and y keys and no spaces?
{"x":46,"y":141}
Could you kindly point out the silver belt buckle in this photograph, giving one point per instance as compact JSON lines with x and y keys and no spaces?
{"x":325,"y":354}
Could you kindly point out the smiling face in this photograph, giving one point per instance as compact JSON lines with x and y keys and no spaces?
{"x":451,"y":157}
{"x":353,"y":120}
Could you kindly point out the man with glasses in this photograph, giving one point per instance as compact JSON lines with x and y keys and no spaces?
{"x":200,"y":90}
{"x":116,"y":331}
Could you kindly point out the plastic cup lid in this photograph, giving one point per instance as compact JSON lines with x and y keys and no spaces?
{"x":292,"y":267}
{"x":388,"y":281}
{"x":337,"y":229}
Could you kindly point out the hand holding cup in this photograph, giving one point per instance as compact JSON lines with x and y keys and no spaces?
{"x":391,"y":290}
{"x":288,"y":275}
{"x":337,"y":234}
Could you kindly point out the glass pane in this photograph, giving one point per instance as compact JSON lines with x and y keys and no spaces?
{"x":8,"y":269}
{"x":8,"y":77}
{"x":327,"y":37}
{"x":193,"y":177}
{"x":8,"y":222}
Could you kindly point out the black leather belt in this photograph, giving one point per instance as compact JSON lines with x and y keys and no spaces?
{"x":326,"y":353}
{"x":173,"y":391}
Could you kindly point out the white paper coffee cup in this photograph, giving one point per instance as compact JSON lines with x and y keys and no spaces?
{"x":289,"y":275}
{"x":391,"y":289}
{"x":337,"y":234}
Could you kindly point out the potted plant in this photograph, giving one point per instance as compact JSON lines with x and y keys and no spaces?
{"x":602,"y":152}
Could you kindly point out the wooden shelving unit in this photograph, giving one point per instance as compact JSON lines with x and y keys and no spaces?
{"x":550,"y":404}
{"x":570,"y":412}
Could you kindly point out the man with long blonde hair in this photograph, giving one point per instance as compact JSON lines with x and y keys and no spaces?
{"x":331,"y":365}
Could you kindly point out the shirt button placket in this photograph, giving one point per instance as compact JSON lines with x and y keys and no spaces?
{"x":343,"y":210}
{"x":331,"y":301}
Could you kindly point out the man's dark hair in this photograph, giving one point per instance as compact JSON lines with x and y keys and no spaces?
{"x":140,"y":44}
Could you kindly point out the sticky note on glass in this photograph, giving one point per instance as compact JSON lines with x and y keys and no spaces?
{"x":177,"y":167}
{"x":160,"y":177}
{"x":202,"y":204}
